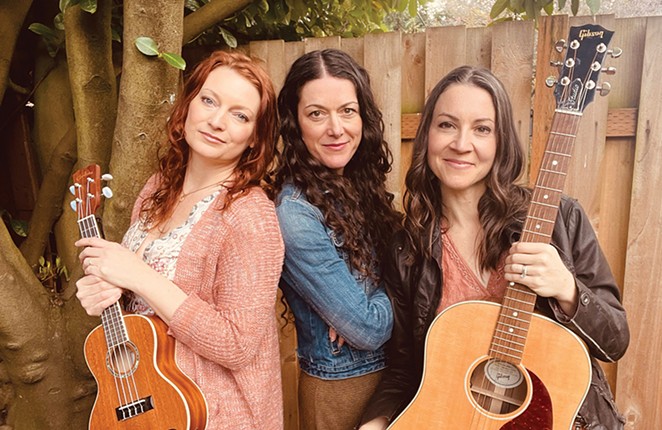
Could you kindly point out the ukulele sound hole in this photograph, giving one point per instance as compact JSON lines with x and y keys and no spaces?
{"x":497,"y":386}
{"x":122,"y":360}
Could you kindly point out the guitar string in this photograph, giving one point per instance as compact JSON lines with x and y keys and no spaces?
{"x":92,"y":231}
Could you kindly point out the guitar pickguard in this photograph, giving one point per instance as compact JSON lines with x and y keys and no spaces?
{"x":539,"y":414}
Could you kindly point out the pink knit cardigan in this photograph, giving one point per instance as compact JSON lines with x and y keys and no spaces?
{"x":226,"y":330}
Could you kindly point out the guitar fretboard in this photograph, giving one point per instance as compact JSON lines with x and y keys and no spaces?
{"x":111,"y":317}
{"x":515,"y":317}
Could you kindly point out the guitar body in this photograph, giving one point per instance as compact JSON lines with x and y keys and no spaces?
{"x":142,"y":387}
{"x":555,"y":375}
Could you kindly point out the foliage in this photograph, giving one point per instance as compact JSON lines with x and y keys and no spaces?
{"x":297,"y":19}
{"x":149,"y":47}
{"x":20,"y":227}
{"x":532,"y":9}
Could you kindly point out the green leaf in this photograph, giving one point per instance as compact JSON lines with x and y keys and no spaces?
{"x":498,"y":7}
{"x":229,"y":39}
{"x":42,"y":261}
{"x":43,"y":31}
{"x":517,"y":6}
{"x":561,"y":4}
{"x":413,"y":7}
{"x":89,"y":6}
{"x":147,"y":46}
{"x":549,"y":8}
{"x":58,"y":21}
{"x":20,"y":227}
{"x":175,"y":60}
{"x":594,"y":6}
{"x":574,"y":7}
{"x":63,"y":5}
{"x":530,"y":7}
{"x":115,"y":35}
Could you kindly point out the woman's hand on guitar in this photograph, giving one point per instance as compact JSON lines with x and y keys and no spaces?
{"x":112,"y":263}
{"x":95,"y":294}
{"x":539,"y":267}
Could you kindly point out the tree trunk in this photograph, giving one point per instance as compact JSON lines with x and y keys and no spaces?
{"x":12,"y":14}
{"x":49,"y":392}
{"x":147,"y":90}
{"x":208,"y":15}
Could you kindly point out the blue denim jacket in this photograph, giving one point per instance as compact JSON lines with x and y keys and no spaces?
{"x":324,"y":292}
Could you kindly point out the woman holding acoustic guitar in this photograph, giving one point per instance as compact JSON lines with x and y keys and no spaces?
{"x":461,"y":241}
{"x":204,"y":250}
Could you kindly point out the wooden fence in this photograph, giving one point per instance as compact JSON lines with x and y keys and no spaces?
{"x":616,"y":164}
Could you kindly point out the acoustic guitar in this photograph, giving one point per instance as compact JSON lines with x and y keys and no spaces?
{"x":501,"y":366}
{"x":131,"y":357}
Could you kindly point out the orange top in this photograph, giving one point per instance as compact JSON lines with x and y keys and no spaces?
{"x":460,"y":283}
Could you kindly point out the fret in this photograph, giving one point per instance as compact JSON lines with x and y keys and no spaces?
{"x":556,"y":190}
{"x":509,"y":333}
{"x":536,"y":233}
{"x":512,"y":286}
{"x":516,"y":357}
{"x":562,"y":154}
{"x":549,"y":221}
{"x":516,"y":300}
{"x":514,"y":318}
{"x":510,"y":341}
{"x":557,"y":133}
{"x":544,"y":204}
{"x":553,"y":171}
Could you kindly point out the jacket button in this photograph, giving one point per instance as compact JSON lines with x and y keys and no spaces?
{"x":585,"y":299}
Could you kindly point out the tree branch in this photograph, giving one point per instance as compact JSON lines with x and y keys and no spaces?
{"x":49,"y":199}
{"x":208,"y":15}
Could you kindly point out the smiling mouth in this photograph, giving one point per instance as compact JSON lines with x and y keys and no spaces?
{"x":211,"y":138}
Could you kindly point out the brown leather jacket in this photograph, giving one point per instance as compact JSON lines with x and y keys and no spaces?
{"x":599,"y":321}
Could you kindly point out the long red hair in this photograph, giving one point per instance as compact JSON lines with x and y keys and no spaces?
{"x":255,"y":160}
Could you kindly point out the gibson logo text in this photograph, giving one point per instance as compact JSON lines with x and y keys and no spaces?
{"x":588,"y":33}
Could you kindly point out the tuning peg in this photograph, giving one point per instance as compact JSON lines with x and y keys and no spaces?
{"x":551,"y":81}
{"x":558,"y":64}
{"x":107,"y":177}
{"x":107,"y":192}
{"x":72,"y":190}
{"x":560,"y":45}
{"x":604,"y":89}
{"x":615,"y":53}
{"x":74,"y":205}
{"x":609,"y":70}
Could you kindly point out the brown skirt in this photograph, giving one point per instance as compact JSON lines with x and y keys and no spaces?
{"x":334,"y":404}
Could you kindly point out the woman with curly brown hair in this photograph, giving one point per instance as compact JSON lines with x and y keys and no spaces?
{"x":464,"y":215}
{"x":204,"y":251}
{"x":336,"y":218}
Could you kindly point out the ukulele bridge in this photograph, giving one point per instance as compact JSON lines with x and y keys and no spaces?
{"x":134,"y":409}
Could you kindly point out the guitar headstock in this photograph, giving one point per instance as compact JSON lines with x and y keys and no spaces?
{"x":578,"y":80}
{"x":88,"y":191}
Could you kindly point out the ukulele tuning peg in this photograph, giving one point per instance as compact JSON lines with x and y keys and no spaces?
{"x":604,"y":89}
{"x":73,"y":205}
{"x":107,"y":192}
{"x":551,"y":81}
{"x":72,"y":190}
{"x":560,"y":45}
{"x":107,"y":177}
{"x":556,"y":63}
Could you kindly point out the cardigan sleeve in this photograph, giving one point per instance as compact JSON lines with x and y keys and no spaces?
{"x":228,"y":324}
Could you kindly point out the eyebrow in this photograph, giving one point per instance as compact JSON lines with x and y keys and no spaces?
{"x":455,"y":118}
{"x":318,"y":106}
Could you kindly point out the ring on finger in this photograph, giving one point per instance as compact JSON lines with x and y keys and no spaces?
{"x":524,"y":270}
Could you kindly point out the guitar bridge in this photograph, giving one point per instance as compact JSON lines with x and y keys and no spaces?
{"x":134,"y":409}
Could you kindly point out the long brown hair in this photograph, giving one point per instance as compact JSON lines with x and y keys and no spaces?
{"x":355,"y":205}
{"x":255,"y":160}
{"x":503,"y":205}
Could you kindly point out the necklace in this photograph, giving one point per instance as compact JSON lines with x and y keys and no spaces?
{"x":215,"y":184}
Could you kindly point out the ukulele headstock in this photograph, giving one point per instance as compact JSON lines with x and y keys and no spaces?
{"x":579,"y":71}
{"x":88,"y":191}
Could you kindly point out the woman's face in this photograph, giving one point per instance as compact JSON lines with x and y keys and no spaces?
{"x":330,"y":121}
{"x":221,"y":118}
{"x":462,"y":139}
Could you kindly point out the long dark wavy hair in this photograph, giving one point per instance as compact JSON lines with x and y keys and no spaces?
{"x":254,"y":162}
{"x":503,"y":206}
{"x":356,"y":204}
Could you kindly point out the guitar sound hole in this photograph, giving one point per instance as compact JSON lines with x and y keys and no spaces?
{"x":497,"y":386}
{"x":122,"y":360}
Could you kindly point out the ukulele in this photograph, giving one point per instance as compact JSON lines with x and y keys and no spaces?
{"x":518,"y":370}
{"x":131,"y":357}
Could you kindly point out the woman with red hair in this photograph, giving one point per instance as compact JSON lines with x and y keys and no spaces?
{"x":204,"y":250}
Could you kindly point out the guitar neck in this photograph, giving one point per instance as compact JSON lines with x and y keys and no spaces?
{"x":519,"y":301}
{"x":111,"y":317}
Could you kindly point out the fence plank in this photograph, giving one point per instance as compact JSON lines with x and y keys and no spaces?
{"x":314,"y":43}
{"x":383,"y":59}
{"x":640,"y":373}
{"x":512,"y":63}
{"x":479,"y":46}
{"x":354,"y":47}
{"x":445,"y":49}
{"x":272,"y":53}
{"x":550,"y":30}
